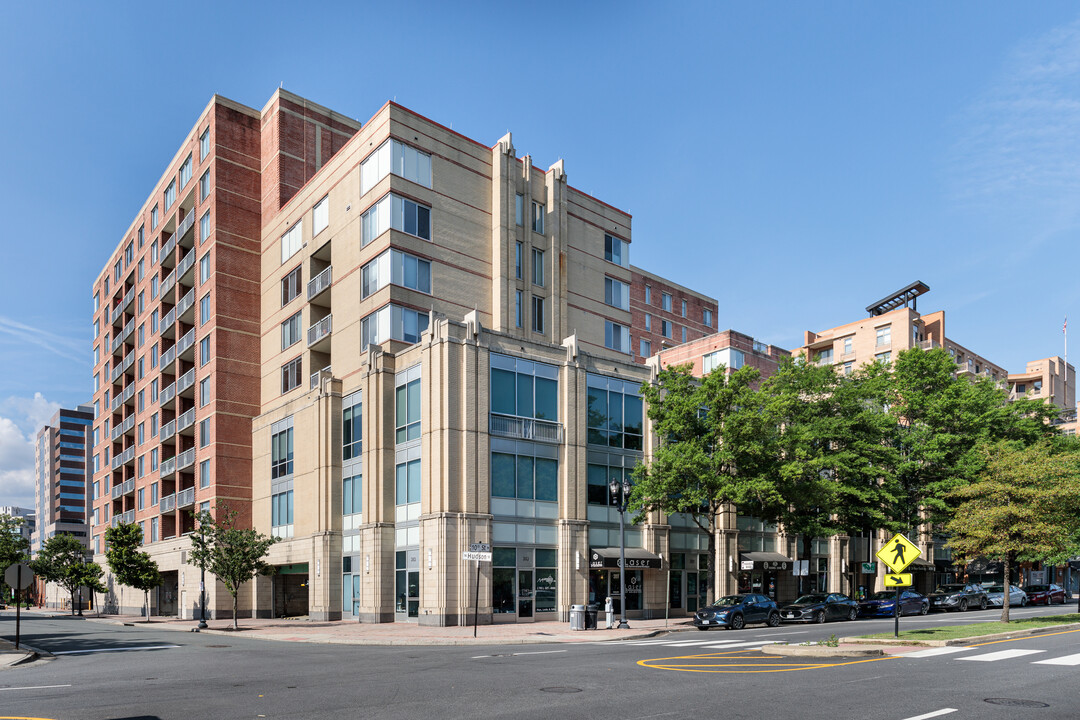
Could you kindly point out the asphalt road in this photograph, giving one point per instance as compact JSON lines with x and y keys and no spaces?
{"x":105,"y":671}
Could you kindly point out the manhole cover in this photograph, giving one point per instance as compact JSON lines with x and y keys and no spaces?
{"x":1014,"y":702}
{"x":560,"y":689}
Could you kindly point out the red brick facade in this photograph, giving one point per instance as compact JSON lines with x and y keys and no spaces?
{"x":647,"y":293}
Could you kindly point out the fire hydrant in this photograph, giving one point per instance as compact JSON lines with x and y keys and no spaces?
{"x":609,"y":609}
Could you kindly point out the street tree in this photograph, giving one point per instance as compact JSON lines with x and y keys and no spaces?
{"x":131,"y":566}
{"x":234,"y":555}
{"x":716,"y":448}
{"x":834,"y":465}
{"x":62,"y":560}
{"x":1024,"y":505}
{"x":14,"y":548}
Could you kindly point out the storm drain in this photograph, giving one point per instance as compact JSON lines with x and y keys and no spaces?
{"x":1014,"y":702}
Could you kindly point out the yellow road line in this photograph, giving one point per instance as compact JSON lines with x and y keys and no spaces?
{"x":735,"y":665}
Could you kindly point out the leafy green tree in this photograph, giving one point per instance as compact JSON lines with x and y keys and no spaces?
{"x":62,"y":560}
{"x":834,"y":467}
{"x":14,"y":548}
{"x":1024,"y":505}
{"x":716,"y":447}
{"x":234,"y":555}
{"x":131,"y":566}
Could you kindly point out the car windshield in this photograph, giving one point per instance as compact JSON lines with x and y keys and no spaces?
{"x":1037,"y":588}
{"x":996,"y":589}
{"x":884,"y":595}
{"x":949,"y":588}
{"x":810,"y":599}
{"x":728,"y":601}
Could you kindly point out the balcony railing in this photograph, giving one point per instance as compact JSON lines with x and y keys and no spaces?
{"x":167,"y":394}
{"x":186,"y":420}
{"x":168,"y":283}
{"x":168,"y":247}
{"x":168,"y":320}
{"x":168,"y":467}
{"x":185,"y":497}
{"x":117,"y":492}
{"x":128,"y":329}
{"x":526,"y":428}
{"x":168,"y":503}
{"x":128,"y":297}
{"x":129,"y":486}
{"x":115,"y":520}
{"x":320,"y":282}
{"x":129,"y":517}
{"x":117,"y":311}
{"x":186,"y":380}
{"x":186,"y":224}
{"x":185,"y":302}
{"x":185,"y":459}
{"x":185,"y":264}
{"x":168,"y":357}
{"x":320,"y":330}
{"x":167,"y":431}
{"x":186,"y":342}
{"x":117,"y":341}
{"x":315,"y":376}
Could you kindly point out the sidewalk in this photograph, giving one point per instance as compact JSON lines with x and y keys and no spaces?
{"x":350,"y":632}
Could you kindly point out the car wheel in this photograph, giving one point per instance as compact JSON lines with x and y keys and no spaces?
{"x":852,"y":614}
{"x":924,"y":609}
{"x":820,"y":617}
{"x":774,"y":619}
{"x":737,"y":622}
{"x":982,"y":604}
{"x":963,"y":605}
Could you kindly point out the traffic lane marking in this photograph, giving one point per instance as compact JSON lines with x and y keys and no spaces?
{"x":534,"y":652}
{"x":735,"y":661}
{"x":34,"y":687}
{"x":1001,"y":655}
{"x":118,"y":649}
{"x":1064,"y":660}
{"x":936,"y":713}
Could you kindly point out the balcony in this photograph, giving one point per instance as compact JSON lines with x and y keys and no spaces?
{"x":117,"y":311}
{"x":185,"y":305}
{"x":117,"y":402}
{"x":117,"y":492}
{"x":167,"y":395}
{"x":929,"y":344}
{"x":185,"y":459}
{"x":127,"y":487}
{"x":186,"y":381}
{"x":185,"y":225}
{"x":320,"y":330}
{"x":129,"y":393}
{"x":315,"y":376}
{"x":185,"y":266}
{"x":117,"y":341}
{"x":167,"y":504}
{"x":129,"y":296}
{"x":526,"y":428}
{"x":167,"y":248}
{"x":185,"y":343}
{"x":185,"y":421}
{"x":128,"y":329}
{"x":115,"y":520}
{"x":168,"y":358}
{"x":129,"y":517}
{"x":168,"y":283}
{"x":168,"y":321}
{"x":167,"y":431}
{"x":168,"y":468}
{"x":319,"y":283}
{"x":185,"y":497}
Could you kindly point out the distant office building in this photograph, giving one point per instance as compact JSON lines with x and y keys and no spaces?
{"x":62,"y":471}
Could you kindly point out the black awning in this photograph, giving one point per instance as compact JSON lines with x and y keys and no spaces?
{"x":918,"y":564}
{"x":765,"y":560}
{"x":636,"y":559}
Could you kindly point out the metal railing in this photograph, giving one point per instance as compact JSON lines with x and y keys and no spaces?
{"x":320,"y":282}
{"x":167,"y":394}
{"x":168,"y":247}
{"x":167,"y":431}
{"x":185,"y":459}
{"x":168,"y":503}
{"x":185,"y":497}
{"x":115,"y":520}
{"x":168,"y":283}
{"x":315,"y":376}
{"x":186,"y":264}
{"x":320,"y":330}
{"x":526,"y":428}
{"x":185,"y":302}
{"x":186,"y":420}
{"x":168,"y":357}
{"x":129,"y":517}
{"x":186,"y":224}
{"x":168,"y":320}
{"x":129,"y":486}
{"x":128,"y":297}
{"x":168,"y":467}
{"x":185,"y":381}
{"x":185,"y":342}
{"x":117,"y":492}
{"x":128,"y":329}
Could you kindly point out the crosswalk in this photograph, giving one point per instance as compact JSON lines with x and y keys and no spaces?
{"x":978,"y":654}
{"x":710,"y":644}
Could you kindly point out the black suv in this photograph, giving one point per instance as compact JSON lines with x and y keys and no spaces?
{"x":958,"y":596}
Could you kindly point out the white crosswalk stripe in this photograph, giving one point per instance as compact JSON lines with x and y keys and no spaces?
{"x":1064,"y":660}
{"x":1002,"y":655}
{"x":934,"y":652}
{"x":757,"y":643}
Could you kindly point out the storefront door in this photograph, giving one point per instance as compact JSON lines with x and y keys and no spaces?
{"x":407,"y":586}
{"x":525,"y":594}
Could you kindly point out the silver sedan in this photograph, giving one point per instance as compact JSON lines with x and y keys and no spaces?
{"x":995,"y":596}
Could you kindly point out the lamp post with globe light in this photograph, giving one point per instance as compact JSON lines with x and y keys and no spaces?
{"x":620,"y":504}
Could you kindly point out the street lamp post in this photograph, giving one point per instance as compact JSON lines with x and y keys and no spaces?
{"x":620,"y":505}
{"x":202,"y":585}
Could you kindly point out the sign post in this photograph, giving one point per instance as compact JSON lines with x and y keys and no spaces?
{"x":897,"y":554}
{"x":480,"y":552}
{"x":18,"y":577}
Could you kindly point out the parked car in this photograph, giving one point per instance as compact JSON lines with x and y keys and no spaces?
{"x":1045,"y":594}
{"x":883,"y":604}
{"x":958,"y":596}
{"x":995,"y":596}
{"x":819,"y":607}
{"x":735,"y":611}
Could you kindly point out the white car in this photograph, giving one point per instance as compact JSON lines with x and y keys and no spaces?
{"x":995,"y":596}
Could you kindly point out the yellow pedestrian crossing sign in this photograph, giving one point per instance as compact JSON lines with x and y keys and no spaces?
{"x":898,"y":580}
{"x":898,"y":553}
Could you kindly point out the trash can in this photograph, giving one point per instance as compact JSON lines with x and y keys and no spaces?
{"x":577,"y":617}
{"x":590,"y":616}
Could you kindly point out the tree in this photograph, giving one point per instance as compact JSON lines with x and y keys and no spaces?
{"x":14,"y":548}
{"x":131,"y":566}
{"x":62,"y":560}
{"x":1025,"y":504}
{"x":234,"y":555}
{"x":834,"y":471}
{"x":715,"y":449}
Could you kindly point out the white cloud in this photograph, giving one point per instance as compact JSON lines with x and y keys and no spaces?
{"x":29,"y":413}
{"x":16,"y":465}
{"x":73,"y":349}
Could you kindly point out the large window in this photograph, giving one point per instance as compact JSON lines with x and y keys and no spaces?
{"x":519,"y":209}
{"x":352,"y":498}
{"x":170,"y":195}
{"x":397,"y":158}
{"x":616,"y":293}
{"x":616,"y":251}
{"x":524,"y":388}
{"x":392,"y":322}
{"x":537,"y":314}
{"x":666,"y":301}
{"x":398,"y":213}
{"x":291,"y":330}
{"x":281,"y":509}
{"x":204,"y":186}
{"x":351,"y":427}
{"x":884,"y":335}
{"x":290,"y":286}
{"x":398,"y":268}
{"x":407,"y":485}
{"x":204,"y":144}
{"x":525,"y":478}
{"x":292,"y":240}
{"x":407,"y":411}
{"x":538,"y":217}
{"x":538,"y":267}
{"x":730,"y":358}
{"x":615,"y":416}
{"x":320,"y":216}
{"x":597,"y":479}
{"x":281,"y":454}
{"x":185,"y":172}
{"x":204,"y":227}
{"x":290,"y":374}
{"x":616,"y":337}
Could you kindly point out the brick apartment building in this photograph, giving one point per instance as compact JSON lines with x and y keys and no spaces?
{"x":379,"y":344}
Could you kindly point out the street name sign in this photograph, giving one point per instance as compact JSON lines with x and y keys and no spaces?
{"x":478,"y":556}
{"x":898,"y":553}
{"x":480,"y":547}
{"x":898,"y":580}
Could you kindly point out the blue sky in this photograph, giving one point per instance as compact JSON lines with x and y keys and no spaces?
{"x":795,"y":160}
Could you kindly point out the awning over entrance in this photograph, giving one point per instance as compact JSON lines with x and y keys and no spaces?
{"x":636,"y":558}
{"x":764,"y":561}
{"x":920,"y":565}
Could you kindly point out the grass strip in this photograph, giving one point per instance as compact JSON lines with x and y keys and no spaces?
{"x":954,"y":632}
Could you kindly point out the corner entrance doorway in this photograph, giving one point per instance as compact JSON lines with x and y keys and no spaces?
{"x":407,"y":585}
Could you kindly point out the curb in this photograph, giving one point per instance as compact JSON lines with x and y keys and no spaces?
{"x":826,"y":651}
{"x":960,"y":641}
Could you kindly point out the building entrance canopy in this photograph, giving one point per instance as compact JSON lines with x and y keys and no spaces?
{"x":764,"y":561}
{"x":636,"y":558}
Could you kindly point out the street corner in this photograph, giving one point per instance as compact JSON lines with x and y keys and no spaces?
{"x":749,"y":661}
